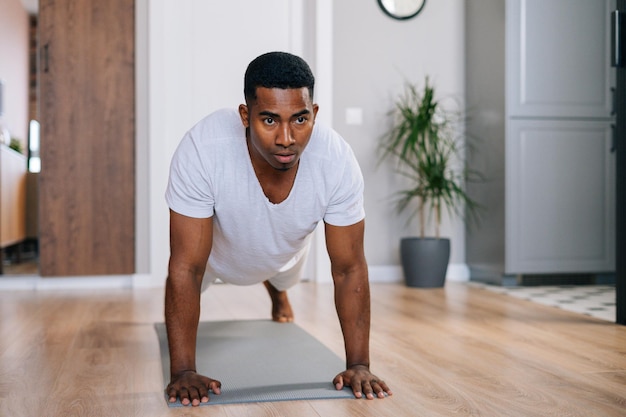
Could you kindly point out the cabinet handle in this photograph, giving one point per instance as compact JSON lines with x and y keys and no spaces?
{"x":613,"y":101}
{"x":617,"y":39}
{"x":613,"y":137}
{"x":45,"y":58}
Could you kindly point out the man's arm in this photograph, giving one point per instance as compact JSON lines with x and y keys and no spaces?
{"x":352,"y":300}
{"x":190,"y":245}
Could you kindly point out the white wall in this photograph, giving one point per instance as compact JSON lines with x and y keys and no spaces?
{"x":361,"y":58}
{"x":368,"y":56}
{"x":197,"y":55}
{"x":373,"y":56}
{"x":14,"y":69}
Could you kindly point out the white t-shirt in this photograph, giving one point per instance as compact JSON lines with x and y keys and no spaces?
{"x":211,"y":175}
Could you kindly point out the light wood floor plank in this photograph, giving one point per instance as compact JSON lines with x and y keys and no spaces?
{"x":461,"y":351}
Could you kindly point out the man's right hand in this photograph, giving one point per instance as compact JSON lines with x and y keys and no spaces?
{"x":192,"y":388}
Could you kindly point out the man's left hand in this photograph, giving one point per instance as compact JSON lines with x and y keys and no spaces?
{"x":362,"y":382}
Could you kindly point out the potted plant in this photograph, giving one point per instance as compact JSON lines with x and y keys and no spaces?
{"x":424,"y":146}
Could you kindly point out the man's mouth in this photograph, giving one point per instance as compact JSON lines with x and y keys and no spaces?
{"x":285,"y":159}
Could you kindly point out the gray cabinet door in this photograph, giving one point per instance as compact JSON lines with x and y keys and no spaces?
{"x":560,"y":172}
{"x":558,"y":55}
{"x":560,"y":197}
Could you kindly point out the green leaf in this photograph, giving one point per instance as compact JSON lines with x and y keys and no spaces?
{"x":422,"y":145}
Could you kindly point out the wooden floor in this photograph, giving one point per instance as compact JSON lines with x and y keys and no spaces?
{"x":454,"y":351}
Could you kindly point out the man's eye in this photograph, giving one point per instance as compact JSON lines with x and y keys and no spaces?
{"x":300,"y":120}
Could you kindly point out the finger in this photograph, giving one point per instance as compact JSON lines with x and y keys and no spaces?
{"x":183,"y":394}
{"x":378,"y":390}
{"x":172,"y":394}
{"x":367,"y":390}
{"x":203,"y":393}
{"x":384,"y":389}
{"x":194,"y":396}
{"x":356,"y":387}
{"x":216,"y":387}
{"x":338,"y":381}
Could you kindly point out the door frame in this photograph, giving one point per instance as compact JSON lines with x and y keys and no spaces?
{"x":620,"y":188}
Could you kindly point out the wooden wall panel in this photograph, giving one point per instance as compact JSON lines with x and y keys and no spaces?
{"x":87,"y":108}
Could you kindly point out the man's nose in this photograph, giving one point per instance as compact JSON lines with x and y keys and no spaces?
{"x":285,"y":137}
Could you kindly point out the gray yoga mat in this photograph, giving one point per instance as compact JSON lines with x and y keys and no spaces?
{"x":260,"y":360}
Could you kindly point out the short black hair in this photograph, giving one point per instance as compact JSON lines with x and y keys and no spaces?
{"x":277,"y":70}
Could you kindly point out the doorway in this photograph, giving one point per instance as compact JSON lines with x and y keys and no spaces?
{"x":84,"y":89}
{"x":18,"y":107}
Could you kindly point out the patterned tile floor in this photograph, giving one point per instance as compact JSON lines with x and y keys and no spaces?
{"x":593,"y":300}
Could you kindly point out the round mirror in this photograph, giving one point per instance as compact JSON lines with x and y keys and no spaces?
{"x":401,"y":9}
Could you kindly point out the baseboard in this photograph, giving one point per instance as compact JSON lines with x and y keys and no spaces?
{"x":385,"y":273}
{"x":36,"y":283}
{"x":457,"y":272}
{"x":377,"y":273}
{"x":148,"y":281}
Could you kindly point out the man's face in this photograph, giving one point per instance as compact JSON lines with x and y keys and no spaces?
{"x":279,"y":125}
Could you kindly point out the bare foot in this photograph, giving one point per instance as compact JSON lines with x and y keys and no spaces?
{"x":281,"y":309}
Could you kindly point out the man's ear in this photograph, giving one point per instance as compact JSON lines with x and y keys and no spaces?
{"x":243,"y":114}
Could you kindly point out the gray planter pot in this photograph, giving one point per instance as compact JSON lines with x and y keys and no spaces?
{"x":424,"y":261}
